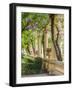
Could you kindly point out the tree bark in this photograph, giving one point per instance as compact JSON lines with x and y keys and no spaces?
{"x":55,"y":42}
{"x":36,"y":43}
{"x":45,"y":42}
{"x":31,"y":50}
{"x":39,"y":45}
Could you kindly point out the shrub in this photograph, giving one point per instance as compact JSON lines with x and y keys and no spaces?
{"x":32,"y":66}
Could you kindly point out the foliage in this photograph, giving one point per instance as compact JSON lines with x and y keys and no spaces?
{"x":30,"y":23}
{"x":35,"y":27}
{"x":31,"y":66}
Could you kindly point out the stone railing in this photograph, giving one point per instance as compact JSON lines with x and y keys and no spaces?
{"x":54,"y":67}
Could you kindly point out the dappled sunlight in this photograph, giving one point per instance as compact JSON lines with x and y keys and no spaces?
{"x":42,"y":42}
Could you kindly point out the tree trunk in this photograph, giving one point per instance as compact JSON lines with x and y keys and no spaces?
{"x":39,"y":44}
{"x":45,"y":42}
{"x":31,"y":50}
{"x":55,"y":42}
{"x":36,"y":43}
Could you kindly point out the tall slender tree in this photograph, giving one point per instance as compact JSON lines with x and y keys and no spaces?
{"x":55,"y":40}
